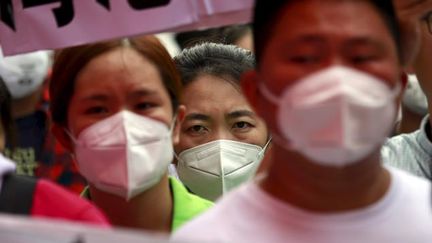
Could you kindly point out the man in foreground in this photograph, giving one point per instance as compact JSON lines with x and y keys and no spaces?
{"x":327,"y":83}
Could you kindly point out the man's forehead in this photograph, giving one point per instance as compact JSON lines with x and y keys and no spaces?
{"x":313,"y":20}
{"x":318,"y":14}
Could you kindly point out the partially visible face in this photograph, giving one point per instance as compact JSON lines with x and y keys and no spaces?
{"x":313,"y":35}
{"x":246,"y":41}
{"x":118,"y":80}
{"x":423,"y":62}
{"x":216,"y":110}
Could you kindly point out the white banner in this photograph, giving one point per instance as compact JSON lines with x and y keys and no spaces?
{"x":18,"y":229}
{"x":27,"y":25}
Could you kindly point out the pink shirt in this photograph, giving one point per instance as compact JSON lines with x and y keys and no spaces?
{"x":250,"y":214}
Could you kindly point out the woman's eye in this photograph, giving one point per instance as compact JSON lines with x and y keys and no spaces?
{"x":96,"y":110}
{"x":197,"y":129}
{"x":242,"y":125}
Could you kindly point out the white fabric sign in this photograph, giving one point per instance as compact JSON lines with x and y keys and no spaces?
{"x":28,"y":25}
{"x":19,"y":229}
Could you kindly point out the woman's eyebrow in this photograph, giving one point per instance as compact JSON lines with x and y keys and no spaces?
{"x":141,"y":93}
{"x":240,"y":113}
{"x":197,"y":116}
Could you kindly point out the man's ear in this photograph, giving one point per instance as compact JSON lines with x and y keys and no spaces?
{"x":61,"y":136}
{"x":249,"y":85}
{"x":181,"y":111}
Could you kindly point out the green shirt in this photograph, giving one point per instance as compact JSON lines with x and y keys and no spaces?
{"x":186,"y":204}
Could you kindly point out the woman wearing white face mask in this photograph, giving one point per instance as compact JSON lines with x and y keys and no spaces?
{"x":114,"y":105}
{"x":222,"y":141}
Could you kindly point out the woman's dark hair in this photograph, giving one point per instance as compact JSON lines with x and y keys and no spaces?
{"x":224,"y":61}
{"x":267,"y":12}
{"x":6,"y":118}
{"x":70,"y":61}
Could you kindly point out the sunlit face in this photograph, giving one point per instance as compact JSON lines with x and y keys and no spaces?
{"x":422,"y":64}
{"x":216,"y":109}
{"x":312,"y":35}
{"x":118,"y":80}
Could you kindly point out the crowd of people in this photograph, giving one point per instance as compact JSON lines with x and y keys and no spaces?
{"x":311,"y":124}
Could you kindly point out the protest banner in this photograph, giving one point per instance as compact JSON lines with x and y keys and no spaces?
{"x":28,"y":25}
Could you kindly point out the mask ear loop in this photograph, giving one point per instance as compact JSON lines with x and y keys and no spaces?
{"x":72,"y":137}
{"x":267,"y":93}
{"x":275,"y":100}
{"x":264,"y":149}
{"x":268,"y":142}
{"x":176,"y":156}
{"x":72,"y":154}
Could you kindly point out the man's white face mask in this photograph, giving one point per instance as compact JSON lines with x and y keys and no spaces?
{"x":336,"y":116}
{"x":214,"y":168}
{"x":124,"y":154}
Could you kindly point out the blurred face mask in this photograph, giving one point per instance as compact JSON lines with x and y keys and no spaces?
{"x":24,"y":74}
{"x":413,"y":98}
{"x":335,"y":117}
{"x":124,"y":154}
{"x":214,"y":168}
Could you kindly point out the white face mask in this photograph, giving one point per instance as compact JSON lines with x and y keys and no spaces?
{"x":414,"y":98}
{"x":124,"y":154}
{"x":214,"y":168}
{"x":336,"y":116}
{"x":23,"y":74}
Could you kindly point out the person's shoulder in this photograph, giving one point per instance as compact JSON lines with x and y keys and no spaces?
{"x":185,"y":197}
{"x":48,"y":189}
{"x":402,"y":139}
{"x":216,"y":224}
{"x":408,"y":179}
{"x":405,"y":151}
{"x":407,"y":141}
{"x":414,"y":197}
{"x":52,"y":200}
{"x":186,"y":205}
{"x":414,"y":188}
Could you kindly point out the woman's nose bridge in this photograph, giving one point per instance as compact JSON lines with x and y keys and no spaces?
{"x":222,"y":132}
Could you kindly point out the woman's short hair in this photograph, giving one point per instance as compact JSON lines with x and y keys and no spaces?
{"x":224,"y":61}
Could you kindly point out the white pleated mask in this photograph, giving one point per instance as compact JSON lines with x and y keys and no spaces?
{"x":214,"y":168}
{"x":336,"y":116}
